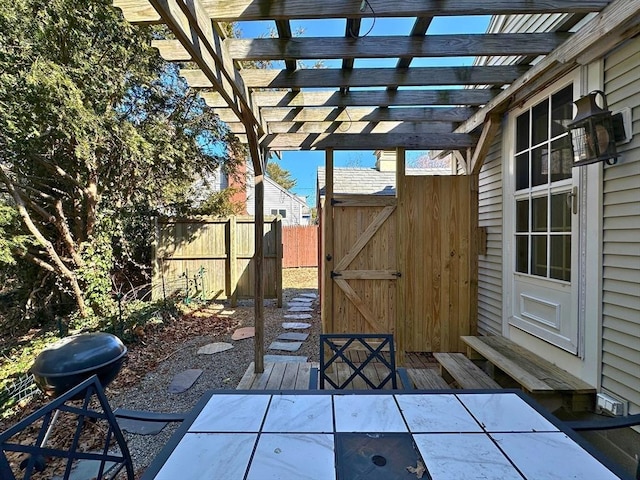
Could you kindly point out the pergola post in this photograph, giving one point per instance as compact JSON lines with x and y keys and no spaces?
{"x":259,"y":283}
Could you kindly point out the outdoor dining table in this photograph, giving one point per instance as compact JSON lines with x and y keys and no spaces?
{"x":375,"y":434}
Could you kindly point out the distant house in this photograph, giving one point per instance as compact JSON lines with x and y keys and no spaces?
{"x":277,"y":200}
{"x":380,"y":180}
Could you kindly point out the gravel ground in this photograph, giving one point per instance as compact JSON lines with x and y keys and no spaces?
{"x":220,"y":371}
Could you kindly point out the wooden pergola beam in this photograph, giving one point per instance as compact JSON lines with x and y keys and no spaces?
{"x":242,"y":10}
{"x":378,"y":141}
{"x":407,"y":98}
{"x":355,"y":114}
{"x":382,"y":77}
{"x":612,"y":26}
{"x":138,"y":11}
{"x":328,"y":48}
{"x":352,"y":128}
{"x":489,"y":130}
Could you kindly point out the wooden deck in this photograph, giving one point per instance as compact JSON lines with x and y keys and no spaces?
{"x":278,"y":376}
{"x":540,"y":378}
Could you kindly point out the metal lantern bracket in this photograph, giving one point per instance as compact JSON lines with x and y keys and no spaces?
{"x":595,"y":131}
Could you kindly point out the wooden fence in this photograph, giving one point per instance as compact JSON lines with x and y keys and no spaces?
{"x":203,"y":258}
{"x":300,"y":246}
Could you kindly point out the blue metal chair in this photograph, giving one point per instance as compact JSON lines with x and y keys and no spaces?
{"x":86,"y":404}
{"x":379,"y":351}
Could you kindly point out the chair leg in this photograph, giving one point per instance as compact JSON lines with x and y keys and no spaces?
{"x":313,"y":378}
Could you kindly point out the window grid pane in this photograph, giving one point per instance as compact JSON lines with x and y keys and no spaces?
{"x":543,"y":219}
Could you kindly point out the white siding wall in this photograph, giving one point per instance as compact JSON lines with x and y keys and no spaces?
{"x":621,"y":237}
{"x":490,"y":265}
{"x":275,"y":198}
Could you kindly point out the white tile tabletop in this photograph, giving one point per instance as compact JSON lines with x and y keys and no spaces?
{"x":367,"y":413}
{"x":505,"y":412}
{"x":232,"y":413}
{"x":436,"y":413}
{"x":292,"y":436}
{"x":293,"y":456}
{"x":464,"y":456}
{"x":550,"y":456}
{"x":203,"y":455}
{"x":299,"y":413}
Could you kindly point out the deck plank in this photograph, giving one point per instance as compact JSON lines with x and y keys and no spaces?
{"x":463,"y":371}
{"x":427,"y":379}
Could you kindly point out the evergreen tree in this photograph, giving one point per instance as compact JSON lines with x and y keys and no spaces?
{"x":95,"y":130}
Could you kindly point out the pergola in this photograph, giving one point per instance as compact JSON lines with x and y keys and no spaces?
{"x":455,"y":108}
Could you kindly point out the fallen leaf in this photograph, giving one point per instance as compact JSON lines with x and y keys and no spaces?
{"x":419,"y":469}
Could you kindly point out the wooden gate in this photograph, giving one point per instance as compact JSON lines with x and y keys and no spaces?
{"x":364,"y":273}
{"x":405,"y":265}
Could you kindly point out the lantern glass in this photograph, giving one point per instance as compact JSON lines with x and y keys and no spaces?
{"x":592,"y":132}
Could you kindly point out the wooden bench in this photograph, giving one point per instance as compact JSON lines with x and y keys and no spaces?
{"x":426,"y":379}
{"x":455,"y":366}
{"x":535,"y":375}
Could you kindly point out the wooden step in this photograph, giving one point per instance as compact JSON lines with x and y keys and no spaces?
{"x":536,"y":375}
{"x":427,"y":379}
{"x":455,"y":366}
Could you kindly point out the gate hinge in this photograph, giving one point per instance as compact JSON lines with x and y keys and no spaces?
{"x":397,"y":274}
{"x":335,"y":274}
{"x":336,"y":202}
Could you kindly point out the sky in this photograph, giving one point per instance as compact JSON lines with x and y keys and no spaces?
{"x":303,"y":165}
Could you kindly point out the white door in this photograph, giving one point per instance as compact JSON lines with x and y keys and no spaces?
{"x":542,"y":220}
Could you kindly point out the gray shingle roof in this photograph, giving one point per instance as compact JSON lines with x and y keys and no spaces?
{"x":359,"y":181}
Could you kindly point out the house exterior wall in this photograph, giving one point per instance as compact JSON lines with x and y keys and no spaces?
{"x":276,"y":198}
{"x":621,"y":236}
{"x":490,"y":265}
{"x":609,"y":215}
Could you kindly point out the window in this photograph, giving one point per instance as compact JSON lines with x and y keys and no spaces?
{"x":543,"y":188}
{"x":282,"y":213}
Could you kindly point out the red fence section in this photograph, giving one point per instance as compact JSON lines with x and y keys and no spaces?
{"x":300,"y":246}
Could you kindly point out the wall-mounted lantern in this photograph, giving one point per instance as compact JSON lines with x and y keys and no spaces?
{"x":595,"y":131}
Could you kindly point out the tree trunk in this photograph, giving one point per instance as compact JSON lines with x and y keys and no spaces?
{"x":58,"y":265}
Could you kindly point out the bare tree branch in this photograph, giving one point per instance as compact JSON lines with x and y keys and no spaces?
{"x":58,"y":264}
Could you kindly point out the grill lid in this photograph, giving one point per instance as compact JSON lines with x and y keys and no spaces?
{"x":78,"y":354}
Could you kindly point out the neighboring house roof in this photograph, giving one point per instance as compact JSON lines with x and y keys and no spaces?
{"x":365,"y":181}
{"x":359,"y":180}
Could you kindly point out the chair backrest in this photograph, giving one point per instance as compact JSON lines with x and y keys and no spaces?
{"x":365,"y":360}
{"x":82,"y":412}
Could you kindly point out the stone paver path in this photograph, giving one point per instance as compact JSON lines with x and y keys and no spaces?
{"x":212,"y":348}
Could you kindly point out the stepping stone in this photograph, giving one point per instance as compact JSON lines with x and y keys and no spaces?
{"x":286,"y":346}
{"x":295,"y":336}
{"x":140,"y":427}
{"x":302,"y":299}
{"x":284,"y":358}
{"x":300,"y":309}
{"x":184,"y":380}
{"x":244,"y":332}
{"x":299,"y":316}
{"x":84,"y":469}
{"x":212,"y":348}
{"x":309,"y":295}
{"x":299,"y":305}
{"x":296,"y":325}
